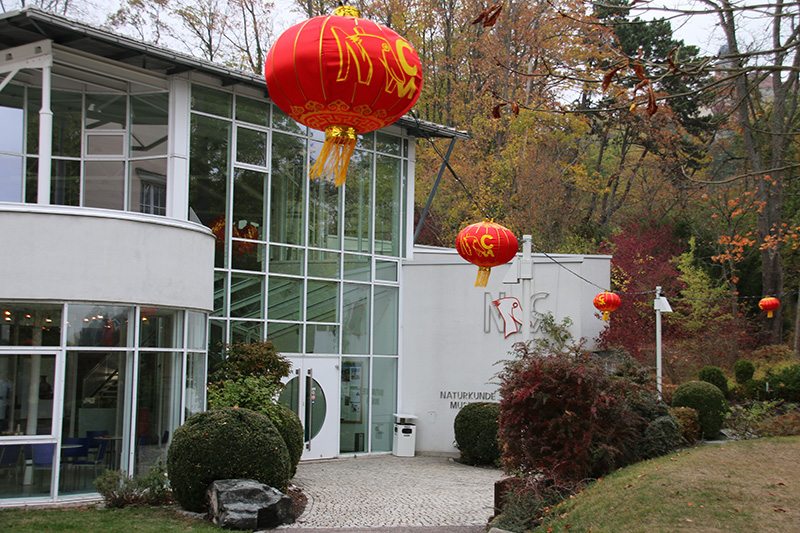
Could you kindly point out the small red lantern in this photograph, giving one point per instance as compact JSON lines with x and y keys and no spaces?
{"x":342,"y":75}
{"x":607,"y":302}
{"x":769,"y":304}
{"x":486,"y":245}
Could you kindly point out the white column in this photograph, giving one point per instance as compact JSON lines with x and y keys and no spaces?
{"x":45,"y":139}
{"x":178,"y":149}
{"x":526,"y":273}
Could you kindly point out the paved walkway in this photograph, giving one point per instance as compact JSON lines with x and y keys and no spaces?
{"x":405,"y":494}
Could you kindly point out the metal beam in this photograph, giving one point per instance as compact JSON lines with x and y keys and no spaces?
{"x":424,"y":215}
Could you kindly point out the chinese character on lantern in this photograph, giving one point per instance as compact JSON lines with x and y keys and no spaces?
{"x":607,"y":302}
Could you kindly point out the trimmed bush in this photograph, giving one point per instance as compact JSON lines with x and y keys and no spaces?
{"x":785,"y":383}
{"x":475,"y":429}
{"x":289,"y":426}
{"x":707,"y":400}
{"x":743,"y":369}
{"x":226,"y":443}
{"x":689,"y":423}
{"x":715,"y":376}
{"x":662,"y":436}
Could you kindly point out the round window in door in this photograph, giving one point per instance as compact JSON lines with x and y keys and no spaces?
{"x":315,"y":404}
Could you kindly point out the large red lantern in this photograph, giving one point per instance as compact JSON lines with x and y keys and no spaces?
{"x":769,"y":304}
{"x":486,"y":245}
{"x":343,"y":75}
{"x":607,"y":302}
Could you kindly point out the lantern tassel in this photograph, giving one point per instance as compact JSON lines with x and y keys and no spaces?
{"x":769,"y":314}
{"x":334,"y":159}
{"x":606,"y":316}
{"x":483,"y":276}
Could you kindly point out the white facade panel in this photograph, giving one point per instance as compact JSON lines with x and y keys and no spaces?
{"x":454,"y":336}
{"x":60,"y":253}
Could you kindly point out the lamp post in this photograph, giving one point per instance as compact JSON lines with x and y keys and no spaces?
{"x":661,"y":305}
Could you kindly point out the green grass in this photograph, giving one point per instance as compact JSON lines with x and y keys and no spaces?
{"x":90,"y":518}
{"x":742,"y":486}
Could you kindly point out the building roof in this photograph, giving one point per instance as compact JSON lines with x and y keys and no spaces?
{"x":32,"y":24}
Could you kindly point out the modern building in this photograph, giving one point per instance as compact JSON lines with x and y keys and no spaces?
{"x":154,"y":206}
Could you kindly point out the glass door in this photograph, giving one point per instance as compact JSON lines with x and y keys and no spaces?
{"x":312,"y":393}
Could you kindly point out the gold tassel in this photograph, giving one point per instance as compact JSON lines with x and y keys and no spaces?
{"x":769,"y":314}
{"x":606,"y":315}
{"x":483,"y":276}
{"x":334,"y":159}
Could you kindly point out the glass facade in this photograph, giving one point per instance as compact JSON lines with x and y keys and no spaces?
{"x":309,"y":266}
{"x":89,"y":387}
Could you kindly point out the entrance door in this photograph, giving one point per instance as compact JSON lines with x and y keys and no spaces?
{"x":313,"y":393}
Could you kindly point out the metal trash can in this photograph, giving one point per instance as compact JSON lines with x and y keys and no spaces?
{"x":405,"y":435}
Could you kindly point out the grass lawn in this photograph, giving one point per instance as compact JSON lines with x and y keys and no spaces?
{"x":89,"y":518}
{"x":742,"y":486}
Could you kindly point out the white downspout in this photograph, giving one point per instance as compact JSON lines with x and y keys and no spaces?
{"x":45,"y":139}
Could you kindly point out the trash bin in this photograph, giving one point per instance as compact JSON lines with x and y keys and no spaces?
{"x":405,"y":435}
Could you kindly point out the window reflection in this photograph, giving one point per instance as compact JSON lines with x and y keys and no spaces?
{"x":99,"y":326}
{"x":26,"y":394}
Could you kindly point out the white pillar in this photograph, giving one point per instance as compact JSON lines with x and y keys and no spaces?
{"x":45,"y":140}
{"x":526,"y":273}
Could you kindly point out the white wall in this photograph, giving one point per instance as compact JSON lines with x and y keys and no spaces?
{"x":453,"y":335}
{"x":67,"y":253}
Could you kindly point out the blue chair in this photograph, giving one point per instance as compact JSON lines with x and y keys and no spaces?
{"x":94,"y":462}
{"x":42,"y":456}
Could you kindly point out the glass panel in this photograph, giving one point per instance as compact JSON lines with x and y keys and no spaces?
{"x":253,"y":111}
{"x":34,"y":106}
{"x":249,"y":191}
{"x":285,"y":337}
{"x":288,"y":185}
{"x":282,"y":121}
{"x":385,"y":321}
{"x":66,"y":107}
{"x":387,"y":143}
{"x":105,"y":144}
{"x":323,"y":264}
{"x":26,"y":394}
{"x":355,"y":405}
{"x":208,"y":169}
{"x":97,"y":325}
{"x":106,"y":111}
{"x":211,"y":101}
{"x":249,"y":256}
{"x":149,"y":124}
{"x":322,"y":339}
{"x":358,"y":203}
{"x":285,"y":260}
{"x":161,"y":328}
{"x":385,"y":270}
{"x":65,"y":183}
{"x":12,"y":118}
{"x":12,"y":472}
{"x":217,"y":337}
{"x":247,"y":296}
{"x":220,"y":293}
{"x":196,"y":334}
{"x":322,"y":301}
{"x":355,"y":318}
{"x":32,"y":180}
{"x":323,"y":209}
{"x":104,"y":184}
{"x":157,"y":407}
{"x":246,"y":331}
{"x":357,"y":267}
{"x":251,"y":147}
{"x":30,"y":324}
{"x":387,"y":206}
{"x":195,"y":384}
{"x":285,"y":298}
{"x":384,"y":402}
{"x":10,"y":177}
{"x":366,"y":141}
{"x":149,"y":186}
{"x":96,"y":415}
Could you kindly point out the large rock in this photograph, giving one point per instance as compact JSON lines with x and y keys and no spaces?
{"x":247,"y":504}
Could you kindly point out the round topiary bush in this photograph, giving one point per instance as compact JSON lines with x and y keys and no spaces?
{"x":661,"y":436}
{"x":743,"y":369}
{"x":475,"y":429}
{"x":689,"y":422}
{"x":707,"y":400}
{"x":715,"y":376}
{"x":226,"y":443}
{"x":289,"y":426}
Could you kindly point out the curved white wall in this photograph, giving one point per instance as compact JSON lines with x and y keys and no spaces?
{"x":68,"y":253}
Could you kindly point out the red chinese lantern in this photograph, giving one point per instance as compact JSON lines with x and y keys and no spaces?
{"x":486,"y":245}
{"x":769,"y":304}
{"x":607,"y":302}
{"x":343,"y":75}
